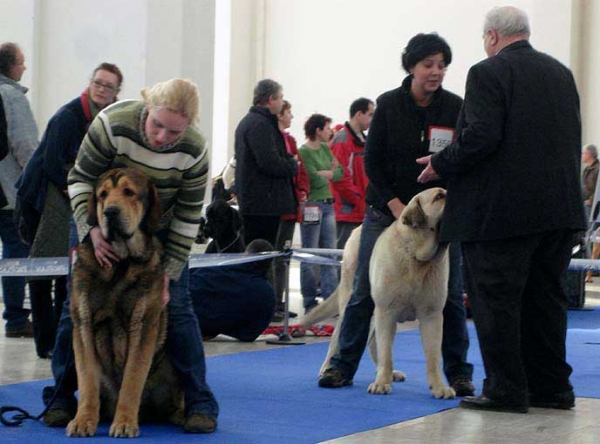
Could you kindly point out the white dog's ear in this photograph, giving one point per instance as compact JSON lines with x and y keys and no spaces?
{"x":413,"y":214}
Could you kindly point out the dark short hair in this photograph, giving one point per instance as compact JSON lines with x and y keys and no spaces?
{"x":264,"y":90}
{"x":8,"y":57}
{"x":112,"y":68}
{"x":286,"y":105}
{"x":361,"y":105}
{"x":313,"y":123}
{"x":422,"y":46}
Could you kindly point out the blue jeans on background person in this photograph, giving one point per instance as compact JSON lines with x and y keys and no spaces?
{"x":318,"y":235}
{"x":184,"y":344}
{"x":13,"y":288}
{"x":357,"y":317}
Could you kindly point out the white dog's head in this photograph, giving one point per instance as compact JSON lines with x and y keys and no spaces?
{"x":422,"y":216}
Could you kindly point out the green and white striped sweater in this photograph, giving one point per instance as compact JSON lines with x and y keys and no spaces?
{"x":116,"y":138}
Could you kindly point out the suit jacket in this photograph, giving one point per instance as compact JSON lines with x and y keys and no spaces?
{"x":514,"y":168}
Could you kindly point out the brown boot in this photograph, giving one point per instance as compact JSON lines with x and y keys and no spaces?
{"x":199,"y":423}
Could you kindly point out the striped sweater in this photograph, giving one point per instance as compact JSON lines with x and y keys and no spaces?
{"x":116,"y":138}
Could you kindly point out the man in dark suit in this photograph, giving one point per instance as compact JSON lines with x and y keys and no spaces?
{"x":514,"y":202}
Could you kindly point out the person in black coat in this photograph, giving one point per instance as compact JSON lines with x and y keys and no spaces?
{"x":514,"y":202}
{"x":264,"y":169}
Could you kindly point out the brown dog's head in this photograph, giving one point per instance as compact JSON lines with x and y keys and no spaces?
{"x":124,"y":201}
{"x":425,"y":210}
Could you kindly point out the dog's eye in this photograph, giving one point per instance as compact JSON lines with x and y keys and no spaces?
{"x":439,"y":196}
{"x":103,"y":194}
{"x":128,"y":192}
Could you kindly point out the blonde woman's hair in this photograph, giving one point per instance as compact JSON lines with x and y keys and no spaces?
{"x":177,"y":95}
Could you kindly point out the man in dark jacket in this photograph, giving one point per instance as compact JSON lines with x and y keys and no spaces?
{"x":514,"y":202}
{"x":264,"y":170}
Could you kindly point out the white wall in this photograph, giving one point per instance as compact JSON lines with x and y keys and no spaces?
{"x":327,"y":53}
{"x":150,"y":41}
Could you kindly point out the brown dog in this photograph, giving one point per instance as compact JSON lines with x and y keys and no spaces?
{"x":119,"y":322}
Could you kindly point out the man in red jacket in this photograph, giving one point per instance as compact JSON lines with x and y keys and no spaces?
{"x":348,"y":147}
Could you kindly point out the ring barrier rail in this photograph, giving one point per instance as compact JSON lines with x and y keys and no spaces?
{"x":59,"y":266}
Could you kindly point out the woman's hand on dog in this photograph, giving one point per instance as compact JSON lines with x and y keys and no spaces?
{"x":102,"y":249}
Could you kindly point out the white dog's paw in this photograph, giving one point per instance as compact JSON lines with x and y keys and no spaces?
{"x":378,"y":388}
{"x":398,"y":376}
{"x":443,"y":391}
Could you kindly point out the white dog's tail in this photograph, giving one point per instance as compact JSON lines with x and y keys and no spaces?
{"x":325,"y":310}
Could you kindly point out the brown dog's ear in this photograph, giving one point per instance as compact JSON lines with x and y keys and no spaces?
{"x":92,"y":218}
{"x":153,"y":211}
{"x":413,"y":214}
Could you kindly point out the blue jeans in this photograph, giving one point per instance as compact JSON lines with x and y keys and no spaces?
{"x":13,"y":288}
{"x":357,"y":317}
{"x":184,"y":344}
{"x":319,"y":235}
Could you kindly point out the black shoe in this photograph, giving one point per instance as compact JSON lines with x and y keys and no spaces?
{"x":333,"y":378}
{"x":199,"y":423}
{"x":57,"y":417}
{"x":24,"y":332}
{"x":560,"y":401}
{"x":463,"y":386}
{"x":491,"y":405}
{"x":292,"y":314}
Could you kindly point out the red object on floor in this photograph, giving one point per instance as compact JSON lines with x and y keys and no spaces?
{"x":297,"y":330}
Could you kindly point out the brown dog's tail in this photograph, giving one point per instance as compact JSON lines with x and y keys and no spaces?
{"x":325,"y":310}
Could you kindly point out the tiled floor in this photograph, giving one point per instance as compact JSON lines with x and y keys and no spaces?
{"x":579,"y":426}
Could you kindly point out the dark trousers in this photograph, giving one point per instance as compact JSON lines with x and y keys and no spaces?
{"x":260,"y":227}
{"x":519,"y":308}
{"x":45,"y":313}
{"x":285,"y":233}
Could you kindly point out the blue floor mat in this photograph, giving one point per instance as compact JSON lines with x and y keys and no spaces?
{"x":272,"y":395}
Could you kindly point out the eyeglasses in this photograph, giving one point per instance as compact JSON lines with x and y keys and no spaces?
{"x":99,"y":85}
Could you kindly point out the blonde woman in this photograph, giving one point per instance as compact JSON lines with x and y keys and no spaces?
{"x":157,"y":136}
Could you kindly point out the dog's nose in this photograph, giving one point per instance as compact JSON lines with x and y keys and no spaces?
{"x":111,"y":212}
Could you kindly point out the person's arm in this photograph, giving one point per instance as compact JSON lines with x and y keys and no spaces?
{"x":3,"y":132}
{"x":344,"y":186}
{"x":62,"y":137}
{"x":270,"y":160}
{"x":25,"y":131}
{"x":374,"y":158}
{"x":184,"y":225}
{"x":302,"y":181}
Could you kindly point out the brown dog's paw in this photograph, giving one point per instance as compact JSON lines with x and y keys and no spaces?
{"x":124,"y":427}
{"x":82,"y":426}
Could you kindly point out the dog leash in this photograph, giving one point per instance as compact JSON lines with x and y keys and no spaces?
{"x":221,"y":250}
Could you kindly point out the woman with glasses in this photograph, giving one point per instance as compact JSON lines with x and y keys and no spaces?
{"x":45,"y":211}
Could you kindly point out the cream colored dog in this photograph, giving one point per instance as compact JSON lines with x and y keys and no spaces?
{"x":409,"y":280}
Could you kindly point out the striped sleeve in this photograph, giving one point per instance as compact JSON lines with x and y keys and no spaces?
{"x":184,"y":225}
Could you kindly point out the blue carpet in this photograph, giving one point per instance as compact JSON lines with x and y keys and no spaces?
{"x":272,"y":396}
